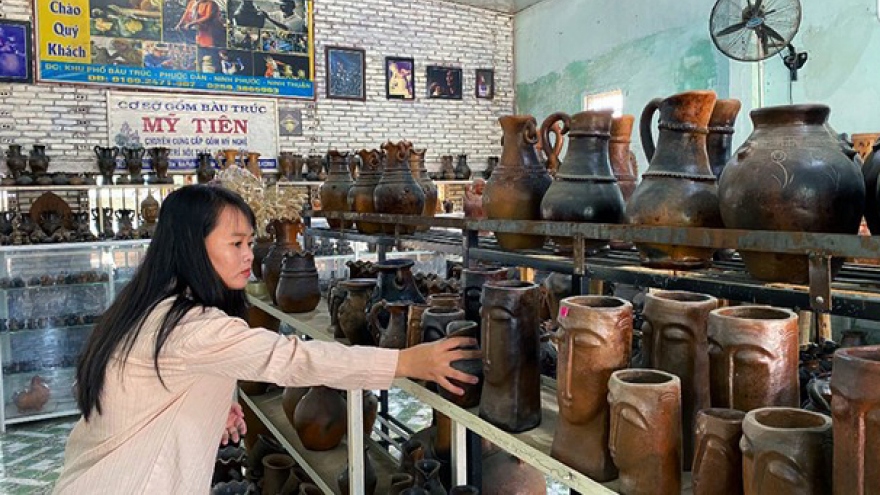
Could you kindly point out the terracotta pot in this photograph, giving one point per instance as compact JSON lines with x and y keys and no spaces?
{"x":753,"y":357}
{"x":397,"y":192}
{"x":334,"y":190}
{"x":276,"y":469}
{"x":370,"y":479}
{"x":622,"y":159}
{"x":474,"y":367}
{"x":392,"y":335}
{"x":674,"y":340}
{"x":594,"y":340}
{"x":261,"y":249}
{"x":855,"y":401}
{"x":352,"y":313}
{"x":414,"y":324}
{"x":870,"y":171}
{"x":719,"y":142}
{"x":285,"y":232}
{"x":779,"y":180}
{"x":298,"y":290}
{"x":717,"y":463}
{"x":290,"y":399}
{"x":504,"y":474}
{"x":511,"y":398}
{"x":360,"y":196}
{"x":320,"y":419}
{"x":646,"y":431}
{"x":263,"y":446}
{"x":420,"y":174}
{"x":518,"y":184}
{"x":784,"y":451}
{"x":678,"y":189}
{"x":584,"y":189}
{"x":472,"y":282}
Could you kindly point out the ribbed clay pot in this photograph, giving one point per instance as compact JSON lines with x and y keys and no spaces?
{"x":511,"y":398}
{"x":719,"y":142}
{"x":791,"y":174}
{"x":320,"y":419}
{"x":674,"y":339}
{"x":753,"y":357}
{"x":646,"y":431}
{"x":472,"y":282}
{"x":678,"y":189}
{"x":594,"y":340}
{"x":474,"y":367}
{"x":584,"y":189}
{"x":717,"y":467}
{"x":519,"y":182}
{"x":855,"y":406}
{"x":420,"y":174}
{"x":398,"y":193}
{"x":334,"y":190}
{"x":352,"y":313}
{"x":784,"y":451}
{"x":285,"y":232}
{"x":622,"y":159}
{"x":298,"y":290}
{"x":360,"y":196}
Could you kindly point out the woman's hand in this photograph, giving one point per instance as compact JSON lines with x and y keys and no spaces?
{"x":235,"y":425}
{"x":433,"y":361}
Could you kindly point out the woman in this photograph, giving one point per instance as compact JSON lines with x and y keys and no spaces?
{"x":156,"y":379}
{"x":204,"y":15}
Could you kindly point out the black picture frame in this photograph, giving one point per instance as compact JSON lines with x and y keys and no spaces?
{"x":400,"y":78}
{"x":346,"y":73}
{"x":16,"y":52}
{"x":443,"y":82}
{"x":484,"y":84}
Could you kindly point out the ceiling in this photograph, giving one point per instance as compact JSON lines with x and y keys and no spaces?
{"x":504,"y":6}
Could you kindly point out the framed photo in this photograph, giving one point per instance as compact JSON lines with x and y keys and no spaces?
{"x":346,"y":73}
{"x":400,"y":78}
{"x":444,"y":82}
{"x":16,"y":51}
{"x":484,"y":87}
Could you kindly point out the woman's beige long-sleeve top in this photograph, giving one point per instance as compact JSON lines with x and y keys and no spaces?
{"x":163,"y":439}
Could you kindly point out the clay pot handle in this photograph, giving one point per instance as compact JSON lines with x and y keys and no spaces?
{"x":645,"y":127}
{"x":530,"y":133}
{"x":548,"y":125}
{"x":97,"y":153}
{"x":374,"y":316}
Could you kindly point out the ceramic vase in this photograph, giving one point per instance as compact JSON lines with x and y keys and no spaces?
{"x":320,"y":419}
{"x":298,"y":290}
{"x":360,"y":196}
{"x":717,"y":466}
{"x":285,"y":232}
{"x":352,"y":316}
{"x":397,"y":192}
{"x":420,"y":174}
{"x":622,"y":159}
{"x":334,"y":190}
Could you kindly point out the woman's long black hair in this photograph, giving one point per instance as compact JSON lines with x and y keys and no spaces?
{"x":176,"y":265}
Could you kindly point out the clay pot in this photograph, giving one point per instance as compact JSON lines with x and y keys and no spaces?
{"x":594,"y":340}
{"x":420,"y":174}
{"x":287,"y":163}
{"x":622,"y":159}
{"x":396,"y":283}
{"x":276,"y":469}
{"x":397,"y":192}
{"x":717,"y":467}
{"x":34,"y":397}
{"x":584,"y":189}
{"x":352,"y":316}
{"x":334,"y":190}
{"x":400,"y":482}
{"x":261,"y":249}
{"x":753,"y":357}
{"x":290,"y":399}
{"x":504,"y":474}
{"x":159,"y":164}
{"x":870,"y":171}
{"x":491,"y":163}
{"x":370,"y":479}
{"x":674,"y":340}
{"x":106,"y":161}
{"x":784,"y":451}
{"x":370,"y":410}
{"x":310,"y":489}
{"x":360,"y":196}
{"x":474,"y":367}
{"x":315,"y":167}
{"x":779,"y":180}
{"x":855,"y":400}
{"x":264,"y":445}
{"x":39,"y":162}
{"x":414,"y":324}
{"x":511,"y":398}
{"x":134,"y":163}
{"x":320,"y":419}
{"x":412,"y":451}
{"x":16,"y":162}
{"x":428,"y":476}
{"x":298,"y":290}
{"x":447,"y":169}
{"x":361,"y":269}
{"x":516,"y":188}
{"x":462,"y":171}
{"x":678,"y":189}
{"x":257,"y":318}
{"x":285,"y":232}
{"x":472,"y":282}
{"x":204,"y":168}
{"x":392,"y":335}
{"x":435,"y":320}
{"x":719,"y":142}
{"x":646,"y":431}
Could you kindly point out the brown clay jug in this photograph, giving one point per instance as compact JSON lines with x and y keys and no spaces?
{"x":334,"y":190}
{"x":717,"y":467}
{"x":298,"y":290}
{"x":623,"y":160}
{"x":791,"y":174}
{"x":360,"y":196}
{"x":398,"y":193}
{"x":719,"y":142}
{"x":519,"y":182}
{"x":320,"y":419}
{"x":352,"y":312}
{"x":420,"y":174}
{"x":392,"y":335}
{"x":678,"y":189}
{"x":285,"y":232}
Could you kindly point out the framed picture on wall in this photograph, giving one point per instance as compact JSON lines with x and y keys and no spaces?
{"x":400,"y":78}
{"x":484,"y":87}
{"x":16,"y":51}
{"x":444,"y":82}
{"x":346,"y":73}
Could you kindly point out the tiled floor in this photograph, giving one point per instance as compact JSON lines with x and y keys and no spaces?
{"x":31,"y":456}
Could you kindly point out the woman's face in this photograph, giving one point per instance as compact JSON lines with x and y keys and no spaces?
{"x":229,"y":248}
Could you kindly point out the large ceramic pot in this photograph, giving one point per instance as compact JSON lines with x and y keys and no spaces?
{"x":519,"y":182}
{"x":784,"y":451}
{"x":320,"y":419}
{"x":719,"y":142}
{"x":397,"y":192}
{"x":717,"y":467}
{"x":285,"y":232}
{"x":360,"y":196}
{"x":622,"y":159}
{"x":420,"y":174}
{"x":594,"y":340}
{"x":298,"y":290}
{"x":584,"y":189}
{"x":870,"y":171}
{"x":678,"y":189}
{"x":334,"y":190}
{"x":351,"y":316}
{"x":646,"y":431}
{"x":791,"y":174}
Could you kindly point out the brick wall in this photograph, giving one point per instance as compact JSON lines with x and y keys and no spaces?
{"x":72,"y":120}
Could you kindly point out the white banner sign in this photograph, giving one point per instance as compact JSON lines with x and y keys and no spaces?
{"x":191,"y":124}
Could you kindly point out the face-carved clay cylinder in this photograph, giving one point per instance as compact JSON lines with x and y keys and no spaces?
{"x":511,"y":398}
{"x":594,"y":340}
{"x":717,"y":468}
{"x":753,"y":357}
{"x":472,"y":282}
{"x":646,"y":431}
{"x":674,"y":340}
{"x":784,"y":451}
{"x":855,"y":407}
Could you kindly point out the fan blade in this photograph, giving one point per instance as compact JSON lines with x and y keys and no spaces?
{"x":757,"y":8}
{"x":774,"y":33}
{"x":731,"y":29}
{"x":762,"y":35}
